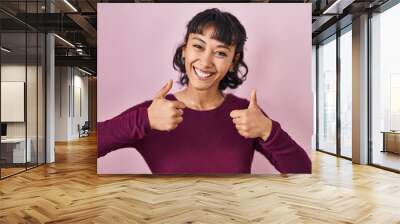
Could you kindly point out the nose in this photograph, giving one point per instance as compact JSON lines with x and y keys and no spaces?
{"x":206,"y":59}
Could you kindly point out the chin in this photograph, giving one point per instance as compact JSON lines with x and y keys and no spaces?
{"x":201,"y":85}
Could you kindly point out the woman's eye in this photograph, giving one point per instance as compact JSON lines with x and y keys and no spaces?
{"x":197,"y":46}
{"x":221,"y":54}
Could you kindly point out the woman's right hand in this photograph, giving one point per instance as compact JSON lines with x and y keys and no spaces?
{"x":165,"y":115}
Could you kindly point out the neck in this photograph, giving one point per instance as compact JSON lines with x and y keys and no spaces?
{"x":202,"y":100}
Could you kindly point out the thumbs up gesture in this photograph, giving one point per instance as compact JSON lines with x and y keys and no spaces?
{"x":251,"y":122}
{"x":165,"y":115}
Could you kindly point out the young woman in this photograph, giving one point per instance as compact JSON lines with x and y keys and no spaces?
{"x":200,"y":129}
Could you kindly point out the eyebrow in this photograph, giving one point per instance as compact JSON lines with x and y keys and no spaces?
{"x":221,"y":45}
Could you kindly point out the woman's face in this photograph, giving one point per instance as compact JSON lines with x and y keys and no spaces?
{"x":207,"y":60}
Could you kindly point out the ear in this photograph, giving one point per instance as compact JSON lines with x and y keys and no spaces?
{"x":235,"y":61}
{"x":236,"y":58}
{"x":183,"y":50}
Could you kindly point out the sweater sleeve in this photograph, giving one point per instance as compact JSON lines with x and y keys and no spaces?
{"x":283,"y":152}
{"x":124,"y":130}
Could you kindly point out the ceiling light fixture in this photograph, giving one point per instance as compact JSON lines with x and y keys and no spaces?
{"x":79,"y":51}
{"x":5,"y":50}
{"x":64,"y":40}
{"x":329,"y":9}
{"x":70,"y":5}
{"x":84,"y":71}
{"x":337,"y":7}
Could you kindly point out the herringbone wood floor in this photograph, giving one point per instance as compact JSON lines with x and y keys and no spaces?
{"x":70,"y":191}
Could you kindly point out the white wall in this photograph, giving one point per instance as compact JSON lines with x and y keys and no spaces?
{"x":61,"y":103}
{"x":81,"y":81}
{"x":70,"y":83}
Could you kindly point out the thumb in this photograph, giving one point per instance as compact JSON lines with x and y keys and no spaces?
{"x":253,"y":99}
{"x":164,"y":90}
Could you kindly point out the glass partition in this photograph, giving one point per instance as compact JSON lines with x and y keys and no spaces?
{"x":22,"y":77}
{"x":385,"y":89}
{"x":327,"y":95}
{"x":41,"y":91}
{"x":13,"y":95}
{"x":31,"y":100}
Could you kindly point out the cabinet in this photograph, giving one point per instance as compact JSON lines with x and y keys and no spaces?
{"x":13,"y":150}
{"x":391,"y":142}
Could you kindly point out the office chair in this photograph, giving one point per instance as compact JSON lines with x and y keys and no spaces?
{"x":84,"y":130}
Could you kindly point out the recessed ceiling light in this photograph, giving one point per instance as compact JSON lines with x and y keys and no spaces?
{"x":5,"y":50}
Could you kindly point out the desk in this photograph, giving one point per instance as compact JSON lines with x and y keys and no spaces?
{"x":15,"y":148}
{"x":391,"y":141}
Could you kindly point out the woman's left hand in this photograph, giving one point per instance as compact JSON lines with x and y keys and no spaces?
{"x":251,"y":122}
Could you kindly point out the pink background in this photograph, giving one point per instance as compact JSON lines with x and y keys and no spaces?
{"x":136,"y":44}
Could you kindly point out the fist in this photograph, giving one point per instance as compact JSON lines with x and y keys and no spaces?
{"x":165,"y":115}
{"x":251,"y":122}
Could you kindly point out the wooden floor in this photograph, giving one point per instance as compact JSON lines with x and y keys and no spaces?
{"x":70,"y":191}
{"x":10,"y":171}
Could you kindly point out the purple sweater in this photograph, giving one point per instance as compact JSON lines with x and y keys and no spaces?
{"x":206,"y":142}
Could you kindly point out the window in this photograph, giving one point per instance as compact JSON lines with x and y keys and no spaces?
{"x":385,"y":88}
{"x":327,"y":95}
{"x":346,"y":93}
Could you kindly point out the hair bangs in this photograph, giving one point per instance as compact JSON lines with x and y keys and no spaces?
{"x":222,"y":28}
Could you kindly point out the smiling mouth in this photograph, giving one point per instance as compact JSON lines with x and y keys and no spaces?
{"x":202,"y":75}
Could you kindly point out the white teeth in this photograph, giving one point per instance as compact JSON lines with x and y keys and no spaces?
{"x":202,"y":74}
